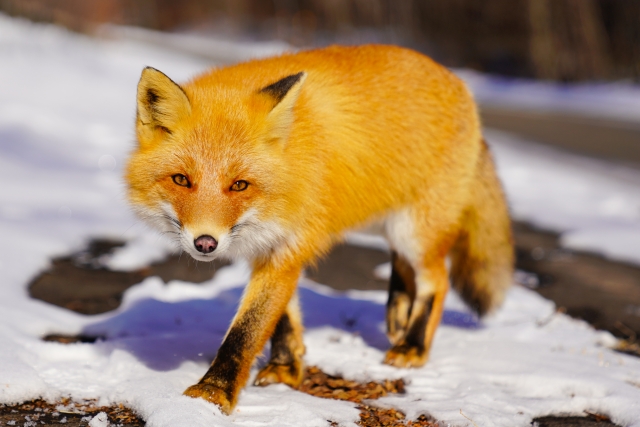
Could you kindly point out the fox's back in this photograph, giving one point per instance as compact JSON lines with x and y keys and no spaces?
{"x":368,"y":117}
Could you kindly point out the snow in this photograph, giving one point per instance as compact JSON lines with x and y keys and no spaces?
{"x":619,"y":101}
{"x":100,"y":420}
{"x":139,"y":252}
{"x":66,"y":119}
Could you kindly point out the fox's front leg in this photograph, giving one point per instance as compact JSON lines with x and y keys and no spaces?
{"x":265,"y":300}
{"x":285,"y":364}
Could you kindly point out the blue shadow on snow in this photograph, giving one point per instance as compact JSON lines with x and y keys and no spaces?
{"x":162,"y":335}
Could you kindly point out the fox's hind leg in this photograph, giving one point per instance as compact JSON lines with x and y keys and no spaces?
{"x":285,"y":364}
{"x":412,"y":349}
{"x":421,"y":249}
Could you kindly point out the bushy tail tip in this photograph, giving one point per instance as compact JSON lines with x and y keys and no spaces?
{"x":483,"y":256}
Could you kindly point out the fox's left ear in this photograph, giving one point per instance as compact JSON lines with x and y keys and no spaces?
{"x":161,"y":104}
{"x":285,"y":93}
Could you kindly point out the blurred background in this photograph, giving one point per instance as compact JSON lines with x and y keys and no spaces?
{"x":563,"y":40}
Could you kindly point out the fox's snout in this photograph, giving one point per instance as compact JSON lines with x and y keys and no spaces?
{"x":205,"y":244}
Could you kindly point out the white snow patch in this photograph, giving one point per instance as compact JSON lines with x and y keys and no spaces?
{"x":100,"y":420}
{"x":366,"y":240}
{"x":383,"y":271}
{"x":139,"y":252}
{"x":614,"y":241}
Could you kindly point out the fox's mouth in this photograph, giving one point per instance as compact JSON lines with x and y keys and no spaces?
{"x":200,"y":256}
{"x":205,"y":258}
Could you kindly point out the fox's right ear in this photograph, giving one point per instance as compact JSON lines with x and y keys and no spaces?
{"x":161,"y":104}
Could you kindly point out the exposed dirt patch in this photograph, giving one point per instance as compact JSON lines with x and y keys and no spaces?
{"x":67,"y":413}
{"x":371,"y":416}
{"x":591,"y":420}
{"x":319,"y":384}
{"x":81,"y":283}
{"x":350,"y":267}
{"x":70,"y":339}
{"x":603,"y":292}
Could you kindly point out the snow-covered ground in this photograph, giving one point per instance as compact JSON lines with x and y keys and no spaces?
{"x":66,"y":125}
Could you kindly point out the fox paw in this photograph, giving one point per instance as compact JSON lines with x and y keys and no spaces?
{"x":405,"y":356}
{"x":212,"y":394}
{"x":290,"y":374}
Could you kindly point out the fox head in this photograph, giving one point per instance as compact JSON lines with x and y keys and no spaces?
{"x":208,"y":169}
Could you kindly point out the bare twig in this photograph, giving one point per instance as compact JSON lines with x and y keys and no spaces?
{"x":630,"y":333}
{"x":598,"y":417}
{"x":462,"y":413}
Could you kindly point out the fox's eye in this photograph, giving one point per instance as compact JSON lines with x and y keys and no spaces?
{"x":239,"y":186}
{"x":181,"y":180}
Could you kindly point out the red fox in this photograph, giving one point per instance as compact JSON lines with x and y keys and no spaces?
{"x":273,"y":159}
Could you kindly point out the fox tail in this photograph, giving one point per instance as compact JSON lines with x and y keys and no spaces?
{"x":483,"y":256}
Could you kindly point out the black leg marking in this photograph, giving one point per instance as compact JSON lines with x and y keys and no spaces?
{"x":225,"y":369}
{"x":402,"y":290}
{"x":403,"y":277}
{"x":396,"y":285}
{"x":281,"y":353}
{"x":417,"y":331}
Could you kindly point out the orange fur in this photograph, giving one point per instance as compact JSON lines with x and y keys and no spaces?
{"x":354,"y":134}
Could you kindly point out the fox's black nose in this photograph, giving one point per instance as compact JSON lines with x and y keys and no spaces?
{"x":205,"y":244}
